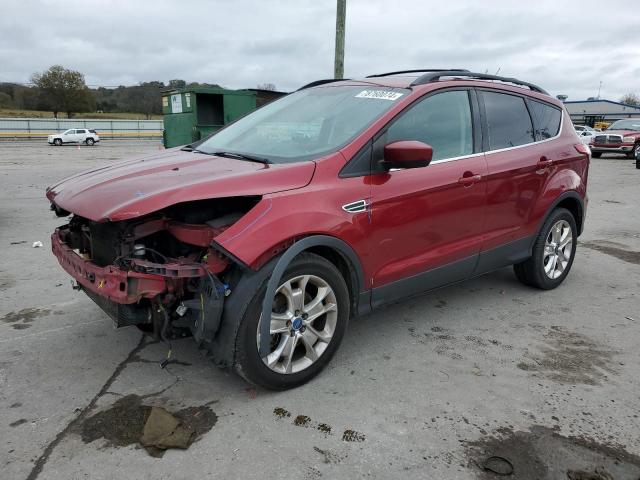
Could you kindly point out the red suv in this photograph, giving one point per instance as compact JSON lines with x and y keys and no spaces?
{"x":262,"y":240}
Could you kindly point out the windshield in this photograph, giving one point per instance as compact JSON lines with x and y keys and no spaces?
{"x":305,"y":124}
{"x":625,"y":125}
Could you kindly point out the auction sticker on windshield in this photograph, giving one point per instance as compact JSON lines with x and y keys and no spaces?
{"x":379,"y":94}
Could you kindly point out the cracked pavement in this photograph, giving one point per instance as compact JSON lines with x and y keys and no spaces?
{"x":410,"y":386}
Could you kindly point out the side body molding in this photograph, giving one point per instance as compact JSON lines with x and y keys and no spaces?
{"x":364,"y":304}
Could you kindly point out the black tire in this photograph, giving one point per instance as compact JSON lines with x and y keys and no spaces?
{"x":596,"y":154}
{"x":248,"y":363}
{"x":90,"y":141}
{"x":57,"y":142}
{"x":531,"y":272}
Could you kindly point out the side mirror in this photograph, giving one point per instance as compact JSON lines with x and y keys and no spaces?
{"x":407,"y":154}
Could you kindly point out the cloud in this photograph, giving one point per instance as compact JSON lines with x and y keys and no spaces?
{"x":563,"y":46}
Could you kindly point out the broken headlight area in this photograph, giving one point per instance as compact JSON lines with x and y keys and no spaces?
{"x":159,"y":272}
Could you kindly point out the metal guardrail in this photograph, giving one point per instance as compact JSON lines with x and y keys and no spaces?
{"x":37,"y":128}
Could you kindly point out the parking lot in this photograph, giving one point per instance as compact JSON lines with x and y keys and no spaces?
{"x":544,"y":382}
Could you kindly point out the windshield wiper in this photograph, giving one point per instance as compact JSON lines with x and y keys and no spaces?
{"x":242,"y":156}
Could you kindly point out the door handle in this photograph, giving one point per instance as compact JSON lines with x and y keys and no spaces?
{"x":544,"y":162}
{"x":469,"y":179}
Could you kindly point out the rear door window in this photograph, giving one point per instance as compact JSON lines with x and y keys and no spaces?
{"x":546,"y":119}
{"x":508,"y":120}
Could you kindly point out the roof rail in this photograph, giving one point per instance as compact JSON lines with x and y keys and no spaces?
{"x":321,"y":82}
{"x":418,"y":71}
{"x":435,"y":76}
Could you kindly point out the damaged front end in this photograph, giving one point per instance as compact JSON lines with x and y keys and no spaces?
{"x":161,"y":272}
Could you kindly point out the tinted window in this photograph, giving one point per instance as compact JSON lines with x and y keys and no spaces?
{"x":508,"y":119}
{"x":307,"y":123}
{"x":81,"y":131}
{"x":92,"y":131}
{"x":546,"y":119}
{"x":442,"y":120}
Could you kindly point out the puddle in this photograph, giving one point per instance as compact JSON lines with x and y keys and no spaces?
{"x":22,"y":319}
{"x":572,"y":358}
{"x":124,"y":423}
{"x":543,"y":454}
{"x":18,"y":422}
{"x":613,"y":249}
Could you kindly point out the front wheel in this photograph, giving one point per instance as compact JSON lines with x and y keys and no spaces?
{"x":57,"y":142}
{"x":553,"y":252}
{"x":309,"y":317}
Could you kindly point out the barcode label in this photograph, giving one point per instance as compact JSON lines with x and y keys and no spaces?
{"x":379,"y":94}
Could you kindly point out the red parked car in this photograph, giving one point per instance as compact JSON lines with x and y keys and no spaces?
{"x":262,"y":240}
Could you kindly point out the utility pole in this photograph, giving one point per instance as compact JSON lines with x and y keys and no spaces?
{"x":338,"y":68}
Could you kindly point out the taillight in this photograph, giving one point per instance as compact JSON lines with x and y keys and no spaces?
{"x":582,"y":148}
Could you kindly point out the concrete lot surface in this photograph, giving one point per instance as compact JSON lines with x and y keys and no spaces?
{"x":546,"y":383}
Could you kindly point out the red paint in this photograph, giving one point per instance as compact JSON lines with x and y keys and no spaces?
{"x":417,"y":219}
{"x":407,"y":154}
{"x":138,"y":187}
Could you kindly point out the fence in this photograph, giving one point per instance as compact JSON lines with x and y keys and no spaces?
{"x":25,"y":128}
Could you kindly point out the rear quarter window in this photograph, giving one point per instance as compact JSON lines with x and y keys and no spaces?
{"x":508,"y":120}
{"x":546,"y":119}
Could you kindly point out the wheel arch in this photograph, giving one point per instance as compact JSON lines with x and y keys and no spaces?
{"x":331,"y":248}
{"x":573,"y":202}
{"x":319,"y":244}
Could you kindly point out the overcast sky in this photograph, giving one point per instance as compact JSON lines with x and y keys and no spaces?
{"x":566,"y":47}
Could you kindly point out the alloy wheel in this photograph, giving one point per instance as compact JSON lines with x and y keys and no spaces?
{"x":303,"y":322}
{"x":557,"y":249}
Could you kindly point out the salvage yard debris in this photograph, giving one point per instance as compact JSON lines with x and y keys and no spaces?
{"x":128,"y":421}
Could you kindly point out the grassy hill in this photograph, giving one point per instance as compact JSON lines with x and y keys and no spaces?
{"x":16,"y":113}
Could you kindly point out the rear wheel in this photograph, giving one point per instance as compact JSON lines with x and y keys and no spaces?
{"x":596,"y":154}
{"x":57,"y":142}
{"x":309,"y":317}
{"x":553,"y":252}
{"x":89,"y":141}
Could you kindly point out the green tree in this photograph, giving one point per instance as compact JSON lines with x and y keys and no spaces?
{"x":64,"y":90}
{"x":5,"y":100}
{"x":630,"y":99}
{"x":177,"y":83}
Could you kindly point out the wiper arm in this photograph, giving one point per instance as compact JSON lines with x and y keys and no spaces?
{"x":243,"y":156}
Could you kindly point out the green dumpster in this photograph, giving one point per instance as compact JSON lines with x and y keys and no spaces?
{"x":192,"y":113}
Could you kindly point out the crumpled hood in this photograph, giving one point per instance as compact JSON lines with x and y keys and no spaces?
{"x":149,"y":183}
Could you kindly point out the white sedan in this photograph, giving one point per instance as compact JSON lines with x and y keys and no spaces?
{"x":586,"y":136}
{"x":74,"y":135}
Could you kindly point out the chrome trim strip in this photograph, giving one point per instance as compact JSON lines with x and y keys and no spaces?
{"x":452,"y":159}
{"x":355,"y":207}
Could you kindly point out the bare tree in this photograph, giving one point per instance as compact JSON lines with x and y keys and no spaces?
{"x":266,"y":86}
{"x":631,"y":99}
